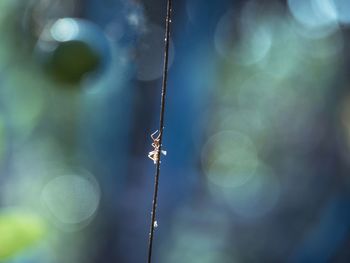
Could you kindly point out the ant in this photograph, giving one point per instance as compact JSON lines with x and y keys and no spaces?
{"x":154,"y":155}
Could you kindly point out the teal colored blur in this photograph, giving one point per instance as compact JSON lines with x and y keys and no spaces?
{"x":257,"y":131}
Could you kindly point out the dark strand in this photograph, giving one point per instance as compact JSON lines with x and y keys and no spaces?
{"x":161,"y":127}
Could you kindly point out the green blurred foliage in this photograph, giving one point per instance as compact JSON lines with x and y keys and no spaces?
{"x":19,"y":231}
{"x":67,"y":68}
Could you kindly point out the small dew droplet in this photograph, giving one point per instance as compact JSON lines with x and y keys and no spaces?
{"x":155,"y":224}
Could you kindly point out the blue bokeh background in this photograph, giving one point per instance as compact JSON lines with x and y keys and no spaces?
{"x":257,"y":131}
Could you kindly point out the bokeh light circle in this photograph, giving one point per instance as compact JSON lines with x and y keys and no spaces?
{"x":73,"y":50}
{"x":64,"y":29}
{"x":241,"y":43}
{"x":255,"y":198}
{"x":318,"y":17}
{"x":229,"y":159}
{"x":71,"y":198}
{"x":342,"y":9}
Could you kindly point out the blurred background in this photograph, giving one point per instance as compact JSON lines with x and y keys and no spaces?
{"x":257,"y":131}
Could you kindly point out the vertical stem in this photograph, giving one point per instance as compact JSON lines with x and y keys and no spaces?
{"x":161,"y":127}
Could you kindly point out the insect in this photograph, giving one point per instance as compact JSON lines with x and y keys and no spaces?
{"x":154,"y":155}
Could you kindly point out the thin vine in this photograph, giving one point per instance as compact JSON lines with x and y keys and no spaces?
{"x":161,"y":128}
